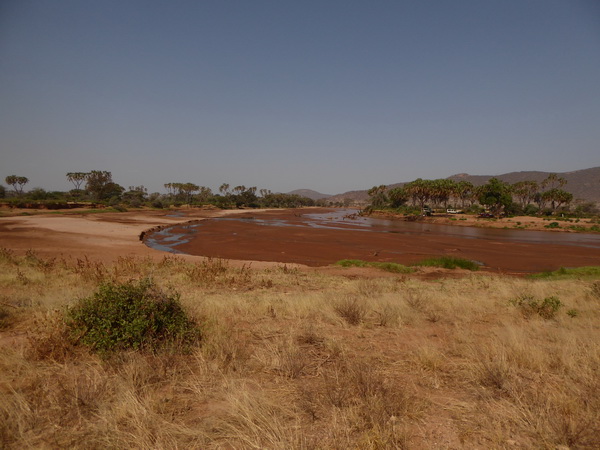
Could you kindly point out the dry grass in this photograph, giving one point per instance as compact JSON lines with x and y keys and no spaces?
{"x":291,"y":359}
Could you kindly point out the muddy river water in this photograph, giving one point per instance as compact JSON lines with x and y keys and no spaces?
{"x":322,"y":237}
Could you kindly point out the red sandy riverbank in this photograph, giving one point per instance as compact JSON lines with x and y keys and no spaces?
{"x":110,"y":235}
{"x":250,"y":240}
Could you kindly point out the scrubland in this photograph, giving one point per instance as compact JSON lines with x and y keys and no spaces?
{"x":296,"y":359}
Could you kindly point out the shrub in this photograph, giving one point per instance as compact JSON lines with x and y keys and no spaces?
{"x":552,"y":225}
{"x":449,"y":262}
{"x":529,"y":306}
{"x":130,"y":316}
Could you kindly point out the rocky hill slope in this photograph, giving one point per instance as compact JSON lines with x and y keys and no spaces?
{"x":583,"y":184}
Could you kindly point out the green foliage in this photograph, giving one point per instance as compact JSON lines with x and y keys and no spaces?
{"x":572,"y":313}
{"x":496,"y":195}
{"x":130,"y":316}
{"x":575,"y":272}
{"x":529,"y":306}
{"x":100,"y":185}
{"x":552,"y":225}
{"x":378,"y":196}
{"x":387,"y":266}
{"x":449,"y":262}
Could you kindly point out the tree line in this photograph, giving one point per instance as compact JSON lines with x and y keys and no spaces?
{"x":98,"y":186}
{"x":499,"y":197}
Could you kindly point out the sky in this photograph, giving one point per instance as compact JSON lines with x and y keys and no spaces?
{"x":330,"y":95}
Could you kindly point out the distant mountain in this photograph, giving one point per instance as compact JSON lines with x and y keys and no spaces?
{"x":314,"y":195}
{"x":583,"y":184}
{"x":356,"y":198}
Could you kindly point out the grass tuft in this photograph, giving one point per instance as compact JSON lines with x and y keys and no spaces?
{"x":565,"y":273}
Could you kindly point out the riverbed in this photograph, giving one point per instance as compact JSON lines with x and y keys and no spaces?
{"x":322,"y":237}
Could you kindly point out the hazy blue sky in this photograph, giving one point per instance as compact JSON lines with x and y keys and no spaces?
{"x":327,"y":95}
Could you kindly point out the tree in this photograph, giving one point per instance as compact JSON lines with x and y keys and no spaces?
{"x":464,"y":191}
{"x":557,"y":198}
{"x":495,"y":195}
{"x":2,"y":191}
{"x":188,"y":190}
{"x":441,"y":190}
{"x":224,"y":189}
{"x":204,"y":194}
{"x":419,"y":191}
{"x":397,"y":197}
{"x":101,"y":186}
{"x":378,"y":197}
{"x":17,"y":183}
{"x":524,"y":192}
{"x":136,"y":195}
{"x":77,"y":178}
{"x":553,"y":181}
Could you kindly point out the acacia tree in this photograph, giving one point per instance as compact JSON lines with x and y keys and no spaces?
{"x":17,"y":183}
{"x":224,"y":189}
{"x":77,"y":178}
{"x":557,"y":198}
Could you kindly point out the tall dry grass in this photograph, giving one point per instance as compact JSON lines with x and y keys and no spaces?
{"x":292,"y":359}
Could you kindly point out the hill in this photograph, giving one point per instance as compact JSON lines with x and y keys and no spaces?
{"x":314,"y":195}
{"x":583,"y":184}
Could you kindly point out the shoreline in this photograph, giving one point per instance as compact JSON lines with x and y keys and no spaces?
{"x":530,"y":223}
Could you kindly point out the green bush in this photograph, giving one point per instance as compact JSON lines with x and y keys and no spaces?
{"x":449,"y":262}
{"x":130,"y":316}
{"x":552,"y":225}
{"x":529,"y":306}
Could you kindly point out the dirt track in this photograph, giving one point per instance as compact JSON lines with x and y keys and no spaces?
{"x":109,"y":235}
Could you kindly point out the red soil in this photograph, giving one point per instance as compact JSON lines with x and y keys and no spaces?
{"x":108,"y":236}
{"x":318,"y":247}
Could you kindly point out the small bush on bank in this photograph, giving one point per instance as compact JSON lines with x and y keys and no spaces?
{"x":449,"y":262}
{"x":130,"y":316}
{"x":529,"y":306}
